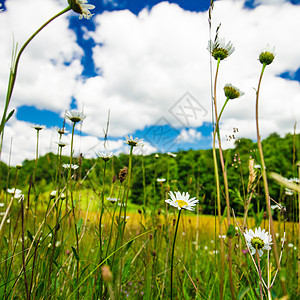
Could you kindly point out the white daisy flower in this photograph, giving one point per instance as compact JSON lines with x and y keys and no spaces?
{"x":133,"y":142}
{"x":172,"y":154}
{"x":258,"y":240}
{"x":182,"y":201}
{"x":219,"y":49}
{"x":75,"y":116}
{"x":80,"y":7}
{"x":267,"y":55}
{"x":289,"y":192}
{"x":112,"y":200}
{"x":232,"y":92}
{"x":106,"y":156}
{"x":161,"y":179}
{"x":38,"y":127}
{"x":67,"y":166}
{"x":16,"y":193}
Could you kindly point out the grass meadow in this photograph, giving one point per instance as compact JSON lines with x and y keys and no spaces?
{"x":73,"y":240}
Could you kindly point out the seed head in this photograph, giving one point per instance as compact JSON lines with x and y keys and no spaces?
{"x":219,"y":49}
{"x":267,"y":55}
{"x":231,"y":92}
{"x":123,"y":174}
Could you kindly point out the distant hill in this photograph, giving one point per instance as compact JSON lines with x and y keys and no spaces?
{"x":191,"y":171}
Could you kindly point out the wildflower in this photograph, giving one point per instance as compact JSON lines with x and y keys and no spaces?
{"x":53,"y":194}
{"x":38,"y":127}
{"x":16,"y":193}
{"x":2,"y":204}
{"x":123,"y":174}
{"x":290,"y":245}
{"x":219,"y":49}
{"x":106,"y":156}
{"x":172,"y":154}
{"x":62,"y":144}
{"x":106,"y":273}
{"x":62,"y":131}
{"x":278,"y":206}
{"x":289,"y":192}
{"x":257,"y":166}
{"x":80,"y":7}
{"x":267,"y":55}
{"x":232,"y":92}
{"x":222,"y":236}
{"x":133,"y":142}
{"x":295,"y":179}
{"x":156,"y":155}
{"x":258,"y":240}
{"x":160,"y":179}
{"x":182,"y":201}
{"x":67,"y":166}
{"x":19,"y":166}
{"x":75,"y":116}
{"x":112,"y":200}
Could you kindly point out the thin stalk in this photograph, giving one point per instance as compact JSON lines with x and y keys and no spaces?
{"x":100,"y":233}
{"x":265,"y":180}
{"x":227,"y":200}
{"x":73,"y":207}
{"x":23,"y":251}
{"x":128,"y":189}
{"x":14,"y":67}
{"x":15,"y":63}
{"x":173,"y":249}
{"x":218,"y":185}
{"x":299,"y":231}
{"x":260,"y":277}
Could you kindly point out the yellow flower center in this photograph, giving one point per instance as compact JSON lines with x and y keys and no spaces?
{"x":181,"y":203}
{"x":257,"y":243}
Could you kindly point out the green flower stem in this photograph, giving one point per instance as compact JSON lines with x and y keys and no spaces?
{"x":100,"y":228}
{"x":112,"y":224}
{"x":227,"y":200}
{"x":73,"y":207}
{"x":14,"y":67}
{"x":259,"y":273}
{"x":222,"y":269}
{"x":265,"y":180}
{"x":128,"y":188}
{"x":144,"y":185}
{"x":34,"y":176}
{"x":299,"y":230}
{"x":173,"y":249}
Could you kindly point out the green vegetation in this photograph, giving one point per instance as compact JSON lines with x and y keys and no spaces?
{"x":190,"y":171}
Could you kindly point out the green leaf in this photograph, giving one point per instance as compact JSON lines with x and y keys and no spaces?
{"x":30,"y":236}
{"x":9,"y":115}
{"x":75,"y":253}
{"x":243,"y":293}
{"x":79,"y":224}
{"x":231,"y":231}
{"x":126,"y":269}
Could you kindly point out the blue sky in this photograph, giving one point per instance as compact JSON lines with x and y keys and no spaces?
{"x":146,"y":64}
